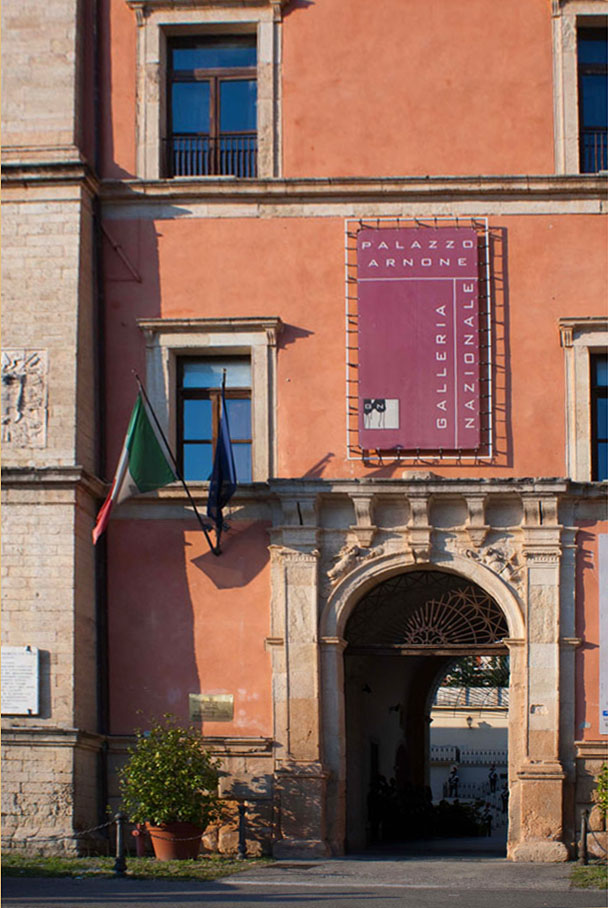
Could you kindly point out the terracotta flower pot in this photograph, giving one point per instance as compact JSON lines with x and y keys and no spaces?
{"x":175,"y":841}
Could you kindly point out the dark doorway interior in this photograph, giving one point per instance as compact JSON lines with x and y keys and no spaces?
{"x":403,"y":638}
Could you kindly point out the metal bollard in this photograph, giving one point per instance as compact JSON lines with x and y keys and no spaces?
{"x":242,"y":850}
{"x":584,"y":856}
{"x":120,"y":864}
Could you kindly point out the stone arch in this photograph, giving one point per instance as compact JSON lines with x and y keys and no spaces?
{"x":353,"y":587}
{"x":340,"y":604}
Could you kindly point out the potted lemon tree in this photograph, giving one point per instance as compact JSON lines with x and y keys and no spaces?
{"x":170,"y":784}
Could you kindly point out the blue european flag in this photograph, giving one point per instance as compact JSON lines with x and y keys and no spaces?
{"x":223,"y":477}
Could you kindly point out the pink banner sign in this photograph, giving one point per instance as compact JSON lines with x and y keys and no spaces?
{"x":418,"y":332}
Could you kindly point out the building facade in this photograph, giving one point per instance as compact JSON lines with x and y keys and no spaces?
{"x":388,"y":227}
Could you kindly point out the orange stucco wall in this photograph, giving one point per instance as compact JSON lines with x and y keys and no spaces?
{"x":471,"y":94}
{"x":417,"y":88}
{"x":118,"y":59}
{"x":293,"y":268}
{"x":181,"y":622}
{"x":587,"y":627}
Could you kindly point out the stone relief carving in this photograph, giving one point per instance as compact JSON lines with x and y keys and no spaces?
{"x":287,"y":554}
{"x":501,"y":558}
{"x":349,"y":557}
{"x":542,"y":557}
{"x":24,"y":394}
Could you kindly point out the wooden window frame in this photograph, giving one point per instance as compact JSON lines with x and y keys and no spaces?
{"x":585,"y":69}
{"x":581,"y":338}
{"x":214,"y":395}
{"x":214,"y":76}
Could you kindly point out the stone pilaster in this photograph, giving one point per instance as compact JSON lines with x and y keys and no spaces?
{"x":300,"y":778}
{"x":541,"y":775}
{"x":332,"y":665}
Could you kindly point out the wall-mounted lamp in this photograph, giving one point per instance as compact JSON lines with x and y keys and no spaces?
{"x":470,"y":721}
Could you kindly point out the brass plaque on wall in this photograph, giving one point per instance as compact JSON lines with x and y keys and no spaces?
{"x":213,"y":707}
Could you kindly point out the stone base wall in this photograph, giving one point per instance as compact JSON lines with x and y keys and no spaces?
{"x":50,"y":790}
{"x":591,"y":756}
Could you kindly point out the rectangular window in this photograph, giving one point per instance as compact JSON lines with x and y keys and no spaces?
{"x":599,"y":416}
{"x":592,"y":47}
{"x":199,"y":398}
{"x":212,"y":106}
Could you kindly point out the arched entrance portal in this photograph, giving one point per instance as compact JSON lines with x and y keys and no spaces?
{"x":401,"y":638}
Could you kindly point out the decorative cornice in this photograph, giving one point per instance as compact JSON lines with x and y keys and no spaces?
{"x":147,"y":6}
{"x":271,"y":325}
{"x":49,"y":736}
{"x":541,"y":771}
{"x":400,"y":489}
{"x":401,"y":189}
{"x":585,"y":324}
{"x":592,"y":750}
{"x":52,"y":478}
{"x":47,"y":172}
{"x":406,"y":486}
{"x":225,"y":745}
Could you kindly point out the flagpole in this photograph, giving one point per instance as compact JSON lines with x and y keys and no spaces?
{"x":214,"y":548}
{"x":218,"y":529}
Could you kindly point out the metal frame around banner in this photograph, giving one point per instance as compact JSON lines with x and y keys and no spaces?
{"x":410,"y":457}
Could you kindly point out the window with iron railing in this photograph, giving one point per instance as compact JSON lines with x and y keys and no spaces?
{"x":592,"y":46}
{"x":212,"y":101}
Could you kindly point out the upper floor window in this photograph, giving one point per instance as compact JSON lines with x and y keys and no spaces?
{"x":199,"y":407}
{"x":592,"y":54}
{"x":599,"y":416}
{"x":585,"y":342}
{"x":212,"y":103}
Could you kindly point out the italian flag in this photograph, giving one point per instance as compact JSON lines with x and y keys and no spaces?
{"x":144,"y":465}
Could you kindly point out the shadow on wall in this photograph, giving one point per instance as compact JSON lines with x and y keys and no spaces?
{"x":152,"y":663}
{"x":241,"y":559}
{"x":501,"y":372}
{"x":585,"y":563}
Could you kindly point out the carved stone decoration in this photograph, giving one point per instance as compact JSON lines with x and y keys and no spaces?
{"x":24,"y":398}
{"x":501,"y":559}
{"x":542,"y":557}
{"x":284,"y":553}
{"x":349,"y":557}
{"x":364,"y":530}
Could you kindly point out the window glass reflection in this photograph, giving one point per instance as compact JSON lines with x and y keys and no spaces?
{"x":238,"y":105}
{"x":198,"y":462}
{"x":197,"y":420}
{"x":239,"y":418}
{"x":190,"y":107}
{"x":219,"y":53}
{"x":209,"y":373}
{"x":242,"y":462}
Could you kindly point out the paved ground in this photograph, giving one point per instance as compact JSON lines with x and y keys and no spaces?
{"x":412,"y":880}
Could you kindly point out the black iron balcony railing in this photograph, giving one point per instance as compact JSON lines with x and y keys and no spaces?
{"x":594,"y":150}
{"x":234,"y":154}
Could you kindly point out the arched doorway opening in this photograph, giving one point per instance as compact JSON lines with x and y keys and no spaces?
{"x":402,"y":638}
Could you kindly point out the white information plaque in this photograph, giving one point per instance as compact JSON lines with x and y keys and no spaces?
{"x":20,"y":677}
